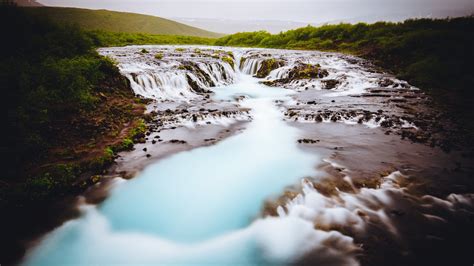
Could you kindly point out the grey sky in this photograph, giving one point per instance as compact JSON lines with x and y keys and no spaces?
{"x":316,"y":11}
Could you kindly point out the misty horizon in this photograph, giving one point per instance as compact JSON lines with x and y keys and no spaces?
{"x":245,"y":15}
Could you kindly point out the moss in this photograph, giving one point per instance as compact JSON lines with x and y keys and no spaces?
{"x":179,"y":49}
{"x":102,"y":161}
{"x":144,"y":51}
{"x":138,"y":131}
{"x":267,"y":66}
{"x":228,"y":60}
{"x":307,"y":71}
{"x":159,"y":56}
{"x":56,"y":179}
{"x":95,"y":178}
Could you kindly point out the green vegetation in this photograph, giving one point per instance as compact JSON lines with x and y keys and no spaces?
{"x":105,"y":39}
{"x":435,"y":55}
{"x":267,"y":66}
{"x":228,"y":60}
{"x":123,"y":22}
{"x":159,"y":56}
{"x":66,"y":107}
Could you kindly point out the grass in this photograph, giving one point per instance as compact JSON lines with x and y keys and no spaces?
{"x":65,"y":105}
{"x":102,"y":38}
{"x":123,"y":22}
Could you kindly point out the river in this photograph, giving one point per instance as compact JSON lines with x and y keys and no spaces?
{"x":204,"y":203}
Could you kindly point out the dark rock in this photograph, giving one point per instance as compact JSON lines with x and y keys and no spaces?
{"x":319,"y":118}
{"x":330,"y":84}
{"x":308,"y":141}
{"x":386,"y":82}
{"x":176,"y":141}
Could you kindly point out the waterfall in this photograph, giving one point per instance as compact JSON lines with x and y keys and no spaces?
{"x":169,"y":76}
{"x":250,"y":66}
{"x":161,"y":86}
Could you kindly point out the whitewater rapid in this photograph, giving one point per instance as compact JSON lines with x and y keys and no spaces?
{"x":199,"y":206}
{"x":207,"y":205}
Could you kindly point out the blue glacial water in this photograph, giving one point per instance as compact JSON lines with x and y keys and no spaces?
{"x":201,"y":206}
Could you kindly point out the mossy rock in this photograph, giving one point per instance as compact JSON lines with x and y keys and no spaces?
{"x":267,"y":66}
{"x":330,"y":84}
{"x":228,"y":60}
{"x":307,"y":71}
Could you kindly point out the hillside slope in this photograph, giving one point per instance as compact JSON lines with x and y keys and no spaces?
{"x":119,"y":21}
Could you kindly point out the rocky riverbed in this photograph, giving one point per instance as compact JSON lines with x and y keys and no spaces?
{"x":305,"y":157}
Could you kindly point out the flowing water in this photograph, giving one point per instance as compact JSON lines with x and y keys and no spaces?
{"x":197,"y":206}
{"x":204,"y":204}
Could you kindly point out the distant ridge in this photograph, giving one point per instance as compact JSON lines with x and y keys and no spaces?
{"x":29,"y":3}
{"x":118,"y":21}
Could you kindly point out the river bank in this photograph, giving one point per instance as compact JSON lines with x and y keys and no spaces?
{"x":68,"y":111}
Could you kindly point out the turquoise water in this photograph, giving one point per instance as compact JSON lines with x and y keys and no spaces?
{"x":200,"y":206}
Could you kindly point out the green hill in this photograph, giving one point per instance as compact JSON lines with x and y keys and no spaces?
{"x":119,"y":21}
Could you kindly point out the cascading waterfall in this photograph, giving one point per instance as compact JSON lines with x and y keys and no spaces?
{"x":172,"y":77}
{"x":161,"y":86}
{"x":251,"y":65}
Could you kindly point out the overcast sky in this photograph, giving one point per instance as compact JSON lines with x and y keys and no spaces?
{"x":315,"y":11}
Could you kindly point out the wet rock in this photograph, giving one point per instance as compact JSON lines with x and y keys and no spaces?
{"x":307,"y":71}
{"x":194,"y":85}
{"x":330,"y":84}
{"x":148,"y":155}
{"x":386,"y":82}
{"x":144,"y":149}
{"x":292,"y":113}
{"x":267,"y":66}
{"x":176,"y":141}
{"x":308,"y":141}
{"x":386,"y":123}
